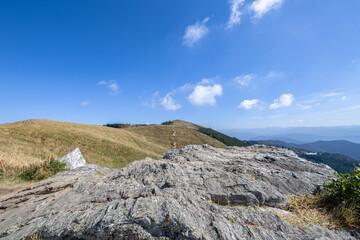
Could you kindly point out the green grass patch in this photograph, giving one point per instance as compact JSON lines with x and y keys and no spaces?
{"x":100,"y":173}
{"x":37,"y":173}
{"x":342,"y":197}
{"x":335,"y":206}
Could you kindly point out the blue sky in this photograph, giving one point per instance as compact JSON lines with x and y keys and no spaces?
{"x":223,"y":64}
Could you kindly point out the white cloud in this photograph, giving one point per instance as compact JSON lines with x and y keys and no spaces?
{"x":284,"y":100}
{"x":155,"y":99}
{"x":261,"y":7}
{"x":244,"y":80}
{"x":331,"y":94}
{"x":305,"y":107}
{"x":169,"y":103}
{"x":85,"y":103}
{"x":112,"y":85}
{"x":235,"y":13}
{"x":194,"y":33}
{"x":274,"y":74}
{"x":185,"y":87}
{"x":205,"y":93}
{"x":324,"y":96}
{"x":248,"y":104}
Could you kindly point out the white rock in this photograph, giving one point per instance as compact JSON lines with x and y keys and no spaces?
{"x":73,"y":160}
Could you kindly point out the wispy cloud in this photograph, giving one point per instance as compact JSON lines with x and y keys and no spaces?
{"x":261,"y":7}
{"x":322,"y":96}
{"x":248,"y":104}
{"x":84,"y":103}
{"x":195,"y":32}
{"x":305,"y":107}
{"x":331,"y":94}
{"x":284,"y":100}
{"x":184,"y":87}
{"x":235,"y":13}
{"x":169,"y":103}
{"x":351,"y":108}
{"x":244,"y":80}
{"x":205,"y":93}
{"x":154,"y":100}
{"x":274,"y":75}
{"x":111,"y":85}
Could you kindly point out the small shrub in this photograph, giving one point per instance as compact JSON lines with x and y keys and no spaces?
{"x":55,"y":166}
{"x":31,"y":174}
{"x":1,"y":175}
{"x":167,"y":123}
{"x":342,"y":197}
{"x":34,"y":236}
{"x":124,"y":125}
{"x":37,"y":173}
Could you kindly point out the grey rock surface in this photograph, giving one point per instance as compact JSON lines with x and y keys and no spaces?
{"x":198,"y":192}
{"x":73,"y":159}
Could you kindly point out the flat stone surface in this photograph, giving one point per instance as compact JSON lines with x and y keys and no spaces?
{"x":198,"y":192}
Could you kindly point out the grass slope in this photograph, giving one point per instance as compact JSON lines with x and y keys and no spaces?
{"x":34,"y":142}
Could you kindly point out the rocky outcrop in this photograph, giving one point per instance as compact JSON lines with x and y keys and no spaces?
{"x":198,"y":192}
{"x":73,"y":160}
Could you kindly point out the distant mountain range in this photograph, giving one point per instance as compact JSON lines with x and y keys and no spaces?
{"x":339,"y":162}
{"x":338,"y":147}
{"x":343,"y":147}
{"x":298,"y":135}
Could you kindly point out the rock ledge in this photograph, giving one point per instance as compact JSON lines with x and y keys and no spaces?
{"x":198,"y":192}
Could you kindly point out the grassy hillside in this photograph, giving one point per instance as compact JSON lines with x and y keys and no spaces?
{"x":34,"y":142}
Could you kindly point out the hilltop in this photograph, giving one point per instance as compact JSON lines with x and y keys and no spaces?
{"x":33,"y":142}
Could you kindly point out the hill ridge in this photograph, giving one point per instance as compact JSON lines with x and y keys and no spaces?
{"x":33,"y":142}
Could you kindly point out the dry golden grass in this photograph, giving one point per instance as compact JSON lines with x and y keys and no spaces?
{"x":32,"y":142}
{"x":305,"y":211}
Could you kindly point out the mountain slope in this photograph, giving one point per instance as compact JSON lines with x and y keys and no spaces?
{"x":340,"y":146}
{"x":341,"y":163}
{"x":343,"y":147}
{"x":34,"y":141}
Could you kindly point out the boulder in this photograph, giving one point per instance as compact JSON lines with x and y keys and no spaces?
{"x":198,"y":192}
{"x":73,"y":159}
